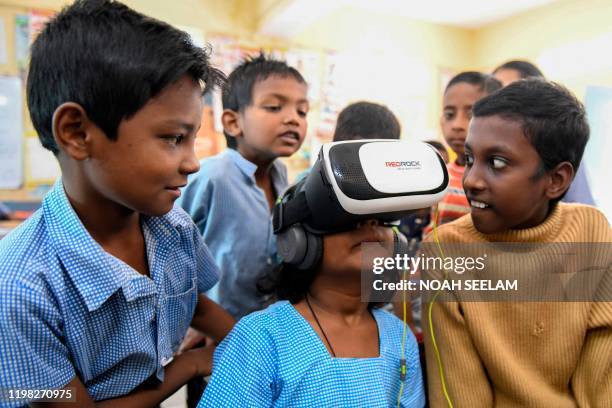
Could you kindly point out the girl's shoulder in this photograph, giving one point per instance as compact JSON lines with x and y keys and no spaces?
{"x":387,"y":321}
{"x":271,"y":319}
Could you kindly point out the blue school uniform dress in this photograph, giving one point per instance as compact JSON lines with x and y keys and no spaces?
{"x":68,"y":308}
{"x":234,"y":217}
{"x":273,"y":358}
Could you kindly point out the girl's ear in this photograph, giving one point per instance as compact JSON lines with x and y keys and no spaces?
{"x":560,"y":179}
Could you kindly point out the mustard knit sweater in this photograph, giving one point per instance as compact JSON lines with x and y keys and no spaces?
{"x":524,"y":354}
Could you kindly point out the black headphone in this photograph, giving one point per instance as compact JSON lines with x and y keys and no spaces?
{"x":296,"y":245}
{"x":302,"y":248}
{"x":299,"y":247}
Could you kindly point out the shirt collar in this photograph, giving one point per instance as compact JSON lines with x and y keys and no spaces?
{"x":245,"y":166}
{"x":96,"y":274}
{"x":248,"y":168}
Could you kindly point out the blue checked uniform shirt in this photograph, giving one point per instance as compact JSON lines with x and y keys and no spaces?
{"x":68,"y":308}
{"x":273,"y":358}
{"x":234,"y":217}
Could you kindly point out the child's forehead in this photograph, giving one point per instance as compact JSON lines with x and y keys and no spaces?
{"x":495,"y":133}
{"x":462,"y":93}
{"x":279,"y":85}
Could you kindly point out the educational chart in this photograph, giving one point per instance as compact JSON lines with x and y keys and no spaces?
{"x":11,"y":142}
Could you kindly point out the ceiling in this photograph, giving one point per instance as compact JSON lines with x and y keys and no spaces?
{"x":286,"y":18}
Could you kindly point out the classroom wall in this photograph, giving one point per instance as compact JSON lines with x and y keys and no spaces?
{"x":208,"y":15}
{"x":569,"y":39}
{"x":204,"y":16}
{"x":396,"y":61}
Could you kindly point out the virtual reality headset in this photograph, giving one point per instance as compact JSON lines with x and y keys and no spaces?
{"x":353,"y":181}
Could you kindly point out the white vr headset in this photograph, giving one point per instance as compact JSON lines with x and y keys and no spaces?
{"x":363,"y":179}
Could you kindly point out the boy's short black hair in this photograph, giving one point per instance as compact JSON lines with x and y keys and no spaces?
{"x":238,"y":90}
{"x":484,"y":82}
{"x":525,"y":69}
{"x":552,"y":119}
{"x":109,"y":59}
{"x":366,"y":120}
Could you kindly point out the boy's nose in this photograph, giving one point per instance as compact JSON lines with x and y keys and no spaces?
{"x":460,"y":124}
{"x":291,"y":117}
{"x":472,"y":179}
{"x":190,"y":163}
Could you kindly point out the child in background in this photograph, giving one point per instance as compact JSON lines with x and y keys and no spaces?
{"x":363,"y":120}
{"x":366,"y":120}
{"x":231,"y":197}
{"x":98,"y":287}
{"x":413,"y":225}
{"x":461,"y":93}
{"x":514,"y":70}
{"x":511,"y":71}
{"x":524,"y":145}
{"x":320,"y":345}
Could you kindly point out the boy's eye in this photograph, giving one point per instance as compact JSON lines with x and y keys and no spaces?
{"x":498,"y":163}
{"x":272,"y":108}
{"x":174,"y":139}
{"x":302,"y":112}
{"x":469,"y":160}
{"x":448,"y":115}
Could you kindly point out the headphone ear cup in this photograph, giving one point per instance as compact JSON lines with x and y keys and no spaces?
{"x":292,"y":244}
{"x":314,"y":252}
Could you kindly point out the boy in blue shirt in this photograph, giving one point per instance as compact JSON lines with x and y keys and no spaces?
{"x":231,"y":197}
{"x":98,"y":287}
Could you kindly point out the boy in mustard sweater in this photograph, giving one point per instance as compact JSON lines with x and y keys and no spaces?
{"x":523,"y":148}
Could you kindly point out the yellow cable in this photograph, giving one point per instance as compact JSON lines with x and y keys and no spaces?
{"x":431,"y":329}
{"x":403,"y":367}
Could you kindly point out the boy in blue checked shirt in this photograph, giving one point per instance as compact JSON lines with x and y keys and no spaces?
{"x":98,"y":287}
{"x":231,"y":197}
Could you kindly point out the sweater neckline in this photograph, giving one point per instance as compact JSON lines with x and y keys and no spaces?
{"x":544,"y":232}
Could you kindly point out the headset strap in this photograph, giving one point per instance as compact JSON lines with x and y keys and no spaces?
{"x":290,"y":212}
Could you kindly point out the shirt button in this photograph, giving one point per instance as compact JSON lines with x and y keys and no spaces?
{"x":269,"y":261}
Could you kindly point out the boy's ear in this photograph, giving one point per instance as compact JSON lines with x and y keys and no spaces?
{"x":231,"y":123}
{"x":560,"y":179}
{"x":69,"y":125}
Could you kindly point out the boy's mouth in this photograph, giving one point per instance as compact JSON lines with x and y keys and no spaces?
{"x":479,"y":204}
{"x":290,"y":136}
{"x":176,"y":190}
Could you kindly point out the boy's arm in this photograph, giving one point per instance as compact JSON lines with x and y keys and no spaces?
{"x":211,"y":319}
{"x":465,"y":377}
{"x":196,"y":362}
{"x":592,"y":380}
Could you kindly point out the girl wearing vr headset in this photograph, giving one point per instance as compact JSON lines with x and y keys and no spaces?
{"x":320,"y":344}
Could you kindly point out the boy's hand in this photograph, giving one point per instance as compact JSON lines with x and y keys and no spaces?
{"x":192,"y":338}
{"x":202,"y":357}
